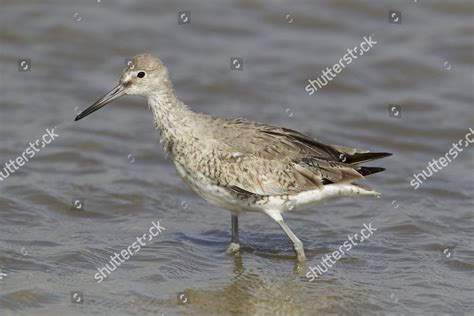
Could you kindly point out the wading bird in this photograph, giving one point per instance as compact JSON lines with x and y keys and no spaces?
{"x":240,"y":165}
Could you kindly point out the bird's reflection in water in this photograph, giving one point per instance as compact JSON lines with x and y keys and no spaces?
{"x":261,"y":290}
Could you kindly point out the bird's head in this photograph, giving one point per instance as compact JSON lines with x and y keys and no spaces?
{"x":143,"y":75}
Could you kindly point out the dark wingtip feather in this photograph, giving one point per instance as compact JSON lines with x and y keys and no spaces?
{"x":365,"y":157}
{"x":365,"y":171}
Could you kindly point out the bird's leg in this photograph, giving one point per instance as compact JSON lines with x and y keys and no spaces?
{"x":234,"y":245}
{"x":297,"y":244}
{"x":235,"y":228}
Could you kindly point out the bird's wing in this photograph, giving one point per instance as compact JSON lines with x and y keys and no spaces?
{"x":268,"y":160}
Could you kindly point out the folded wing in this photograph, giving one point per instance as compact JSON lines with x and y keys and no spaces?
{"x":268,"y":160}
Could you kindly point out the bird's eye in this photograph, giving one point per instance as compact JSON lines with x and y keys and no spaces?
{"x":141,"y":74}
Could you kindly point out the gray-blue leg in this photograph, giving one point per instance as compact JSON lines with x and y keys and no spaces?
{"x":297,"y":244}
{"x":234,"y":245}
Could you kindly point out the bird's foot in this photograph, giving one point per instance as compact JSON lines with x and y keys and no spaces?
{"x":233,"y":248}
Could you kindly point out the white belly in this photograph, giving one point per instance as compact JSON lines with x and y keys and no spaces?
{"x":212,"y":193}
{"x":221,"y":197}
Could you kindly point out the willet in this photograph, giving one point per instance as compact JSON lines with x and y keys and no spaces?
{"x":240,"y":165}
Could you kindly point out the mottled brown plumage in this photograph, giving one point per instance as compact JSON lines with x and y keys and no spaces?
{"x":242,"y":165}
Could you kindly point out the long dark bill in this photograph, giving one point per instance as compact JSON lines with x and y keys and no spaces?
{"x":115,"y":93}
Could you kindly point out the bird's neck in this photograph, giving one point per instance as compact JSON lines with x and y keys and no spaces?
{"x":172,"y":117}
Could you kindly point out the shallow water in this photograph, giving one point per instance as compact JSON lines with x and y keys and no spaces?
{"x":420,"y":259}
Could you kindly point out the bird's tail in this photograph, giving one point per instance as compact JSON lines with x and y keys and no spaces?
{"x":365,"y":190}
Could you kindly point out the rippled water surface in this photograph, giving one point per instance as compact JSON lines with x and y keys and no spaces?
{"x":419,"y":261}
